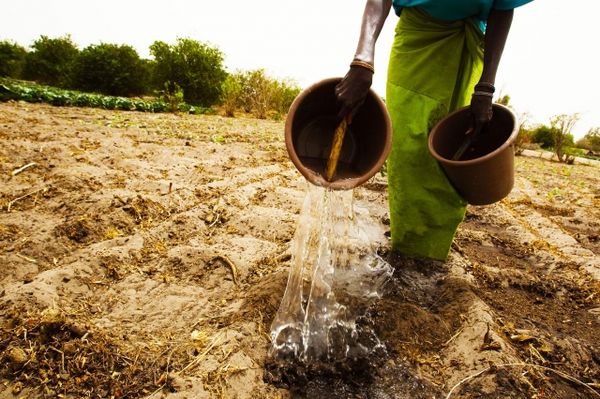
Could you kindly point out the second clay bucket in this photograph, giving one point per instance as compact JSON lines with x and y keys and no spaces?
{"x":309,"y":130}
{"x":485,"y":173}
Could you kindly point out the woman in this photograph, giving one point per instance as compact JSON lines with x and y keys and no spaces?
{"x":445,"y":54}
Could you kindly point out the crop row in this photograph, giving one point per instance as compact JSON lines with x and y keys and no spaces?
{"x":26,"y":91}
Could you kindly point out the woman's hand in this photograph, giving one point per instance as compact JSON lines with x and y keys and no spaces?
{"x":353,"y":89}
{"x":498,"y":26}
{"x":481,"y":109}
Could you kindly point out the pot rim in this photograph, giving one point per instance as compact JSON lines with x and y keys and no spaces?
{"x":315,"y":178}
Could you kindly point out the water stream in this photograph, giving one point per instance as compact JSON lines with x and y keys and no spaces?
{"x":335,"y":275}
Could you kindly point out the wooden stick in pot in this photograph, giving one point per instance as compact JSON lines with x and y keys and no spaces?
{"x":336,"y":147}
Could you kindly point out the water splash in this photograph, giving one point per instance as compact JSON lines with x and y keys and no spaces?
{"x":335,"y":275}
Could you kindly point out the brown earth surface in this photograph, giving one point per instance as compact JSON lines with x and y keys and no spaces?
{"x":145,"y":255}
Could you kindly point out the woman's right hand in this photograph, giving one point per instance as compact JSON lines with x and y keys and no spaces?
{"x":353,"y":89}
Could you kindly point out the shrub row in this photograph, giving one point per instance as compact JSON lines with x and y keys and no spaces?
{"x":188,"y":71}
{"x":118,"y":70}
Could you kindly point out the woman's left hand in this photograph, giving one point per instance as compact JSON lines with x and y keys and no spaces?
{"x":481,"y":109}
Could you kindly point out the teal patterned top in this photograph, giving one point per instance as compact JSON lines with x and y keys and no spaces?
{"x":453,"y":10}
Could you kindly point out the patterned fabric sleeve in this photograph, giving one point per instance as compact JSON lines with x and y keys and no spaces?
{"x":508,"y":4}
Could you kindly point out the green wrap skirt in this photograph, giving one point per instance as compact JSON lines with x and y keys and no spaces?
{"x":433,"y":68}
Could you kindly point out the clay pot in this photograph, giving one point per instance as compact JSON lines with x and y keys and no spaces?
{"x":485,"y":173}
{"x":309,"y":129}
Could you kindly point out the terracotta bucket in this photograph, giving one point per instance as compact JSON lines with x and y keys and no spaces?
{"x":485,"y":173}
{"x":309,"y":128}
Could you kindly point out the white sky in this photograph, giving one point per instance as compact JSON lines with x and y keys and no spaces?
{"x":549,"y":66}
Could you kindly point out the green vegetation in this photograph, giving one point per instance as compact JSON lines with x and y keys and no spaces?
{"x":196,"y":67}
{"x":543,"y":136}
{"x":557,"y":137}
{"x":51,"y":61}
{"x":110,"y":69}
{"x":523,"y":139}
{"x":561,"y":130}
{"x":231,"y":90}
{"x":188,"y":76}
{"x":591,"y":141}
{"x":254,"y":92}
{"x":172,"y":95}
{"x":11,"y":89}
{"x":12,"y":59}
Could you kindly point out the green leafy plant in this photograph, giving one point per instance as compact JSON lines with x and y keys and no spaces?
{"x":217,"y":138}
{"x":554,"y":194}
{"x":11,"y":89}
{"x":173,"y":96}
{"x":384,"y":169}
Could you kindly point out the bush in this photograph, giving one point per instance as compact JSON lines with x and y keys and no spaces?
{"x":259,"y":94}
{"x":285,"y":93}
{"x":12,"y":59}
{"x":231,"y":92}
{"x":173,"y":96}
{"x":524,"y":138}
{"x":544,"y":136}
{"x":110,"y":69}
{"x":196,"y":67}
{"x":51,"y":61}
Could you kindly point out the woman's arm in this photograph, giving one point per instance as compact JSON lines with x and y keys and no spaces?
{"x":374,"y":16}
{"x":498,"y":26}
{"x":353,"y":89}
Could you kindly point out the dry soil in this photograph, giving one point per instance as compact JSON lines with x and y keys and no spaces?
{"x":145,"y":255}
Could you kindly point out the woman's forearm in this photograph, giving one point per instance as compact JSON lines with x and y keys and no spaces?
{"x":375,"y":14}
{"x":498,"y":26}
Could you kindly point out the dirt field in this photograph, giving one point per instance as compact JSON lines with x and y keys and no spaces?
{"x":145,"y":255}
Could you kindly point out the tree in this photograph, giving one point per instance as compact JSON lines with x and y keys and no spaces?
{"x":196,"y":67}
{"x":110,"y":69}
{"x":543,"y":136}
{"x":12,"y":59}
{"x":591,"y":140}
{"x":561,"y":131}
{"x":51,"y":61}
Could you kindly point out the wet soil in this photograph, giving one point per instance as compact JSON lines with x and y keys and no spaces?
{"x":145,"y":256}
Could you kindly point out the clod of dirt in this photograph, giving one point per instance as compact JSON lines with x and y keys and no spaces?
{"x":79,"y":231}
{"x":17,"y":356}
